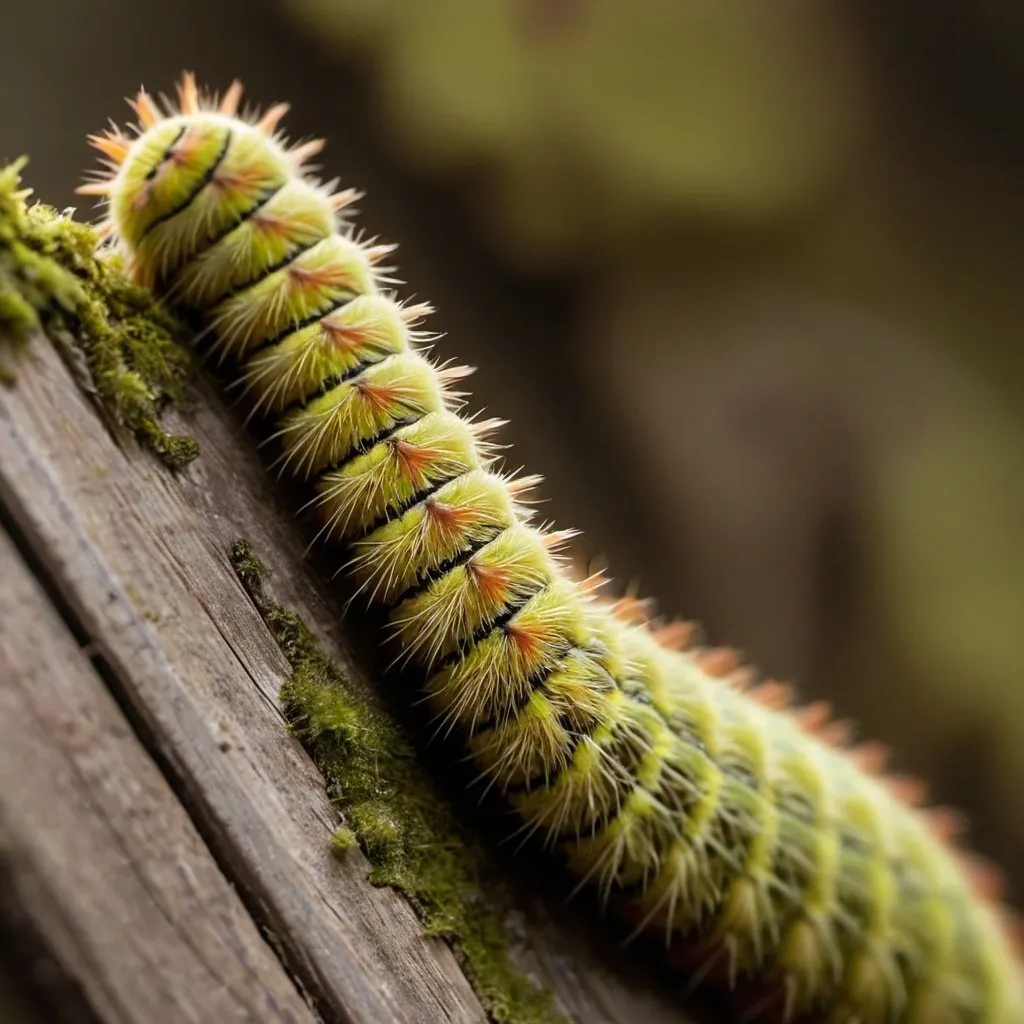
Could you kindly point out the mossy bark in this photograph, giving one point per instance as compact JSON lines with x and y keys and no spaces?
{"x":124,"y":348}
{"x":407,"y":831}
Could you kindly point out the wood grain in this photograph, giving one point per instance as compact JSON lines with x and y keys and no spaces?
{"x":97,"y":847}
{"x":141,"y":557}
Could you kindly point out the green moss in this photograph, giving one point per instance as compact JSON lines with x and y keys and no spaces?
{"x":132,"y":349}
{"x":407,"y":831}
{"x":32,"y":284}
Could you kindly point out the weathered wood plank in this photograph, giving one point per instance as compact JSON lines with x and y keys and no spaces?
{"x":142,"y":558}
{"x":100,"y":854}
{"x":153,"y":591}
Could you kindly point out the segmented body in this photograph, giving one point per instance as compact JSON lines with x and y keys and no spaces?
{"x":668,"y":781}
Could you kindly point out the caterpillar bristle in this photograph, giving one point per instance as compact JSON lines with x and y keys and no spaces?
{"x":455,"y":372}
{"x":594,"y":582}
{"x":483,"y":430}
{"x":772,"y":694}
{"x":743,"y":679}
{"x":718,"y":662}
{"x":816,"y":720}
{"x":345,"y":198}
{"x":556,"y":540}
{"x":870,"y":757}
{"x":907,"y":789}
{"x":987,"y":880}
{"x":947,"y":823}
{"x":683,"y":789}
{"x":676,"y":636}
{"x":301,"y":155}
{"x":188,"y":94}
{"x":837,"y":733}
{"x":267,"y":124}
{"x":414,"y":313}
{"x":145,"y":109}
{"x":228,"y":105}
{"x":95,"y":188}
{"x":812,"y":716}
{"x":113,"y":145}
{"x":630,"y":609}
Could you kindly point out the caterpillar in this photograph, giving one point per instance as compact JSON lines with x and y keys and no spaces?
{"x":691,"y":795}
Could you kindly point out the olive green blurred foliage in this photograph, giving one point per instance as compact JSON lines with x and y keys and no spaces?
{"x":591,"y":121}
{"x":799,"y":236}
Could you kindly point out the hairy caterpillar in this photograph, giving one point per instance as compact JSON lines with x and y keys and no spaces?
{"x":665,"y":775}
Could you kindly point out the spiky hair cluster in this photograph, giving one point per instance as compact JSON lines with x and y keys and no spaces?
{"x":692,"y":795}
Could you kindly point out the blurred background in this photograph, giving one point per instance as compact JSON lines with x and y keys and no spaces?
{"x":746,"y":277}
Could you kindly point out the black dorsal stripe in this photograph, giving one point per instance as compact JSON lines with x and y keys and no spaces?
{"x":397,"y":509}
{"x":484,"y":630}
{"x":427,"y":579}
{"x":300,"y":325}
{"x":264,"y":272}
{"x":165,"y":155}
{"x":546,"y":781}
{"x":630,"y":785}
{"x":203,"y":181}
{"x":328,"y":384}
{"x":361,"y":448}
{"x":228,"y":228}
{"x":537,"y":681}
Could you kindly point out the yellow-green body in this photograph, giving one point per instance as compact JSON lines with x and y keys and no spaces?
{"x":707,"y":813}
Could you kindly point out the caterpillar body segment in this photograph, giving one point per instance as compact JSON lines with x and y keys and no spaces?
{"x":698,"y":804}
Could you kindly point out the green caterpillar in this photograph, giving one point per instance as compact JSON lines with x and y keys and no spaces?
{"x":690,"y":796}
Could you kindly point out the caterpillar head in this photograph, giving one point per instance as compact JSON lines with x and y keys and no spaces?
{"x":178,"y":173}
{"x":161,"y":171}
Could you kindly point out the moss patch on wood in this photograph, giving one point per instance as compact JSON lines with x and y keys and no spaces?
{"x":132,"y":350}
{"x":409,"y":834}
